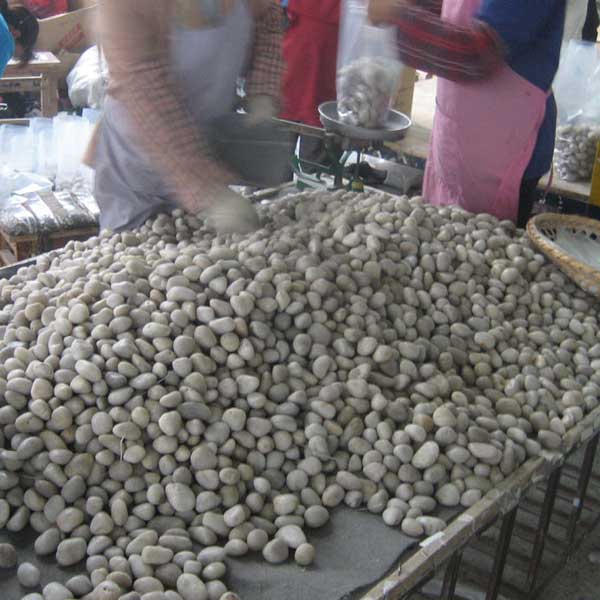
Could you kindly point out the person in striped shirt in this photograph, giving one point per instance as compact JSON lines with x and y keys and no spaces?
{"x":174,"y":67}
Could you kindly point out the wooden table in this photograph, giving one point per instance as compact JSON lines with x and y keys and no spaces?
{"x":40,"y":75}
{"x":417,"y":141}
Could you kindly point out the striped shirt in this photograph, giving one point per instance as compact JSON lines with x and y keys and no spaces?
{"x":524,"y":34}
{"x":430,"y":44}
{"x":135,"y":36}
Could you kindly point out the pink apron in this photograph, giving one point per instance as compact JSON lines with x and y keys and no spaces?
{"x":484,"y":135}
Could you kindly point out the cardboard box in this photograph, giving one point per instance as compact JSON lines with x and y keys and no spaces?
{"x":403,"y":101}
{"x":72,"y":32}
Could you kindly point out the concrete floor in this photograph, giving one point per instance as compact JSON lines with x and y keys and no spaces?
{"x":580,"y":580}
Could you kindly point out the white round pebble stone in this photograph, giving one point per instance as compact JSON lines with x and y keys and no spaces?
{"x":276,"y":551}
{"x":304,"y":555}
{"x":28,"y":575}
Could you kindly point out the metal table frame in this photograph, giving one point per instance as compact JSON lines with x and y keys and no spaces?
{"x":446,"y":552}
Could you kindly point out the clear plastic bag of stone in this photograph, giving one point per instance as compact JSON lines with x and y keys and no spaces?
{"x":575,"y":151}
{"x":368,"y":68}
{"x":577,"y":93}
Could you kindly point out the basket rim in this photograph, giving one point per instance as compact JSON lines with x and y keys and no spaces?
{"x":578,"y":221}
{"x":555,"y":252}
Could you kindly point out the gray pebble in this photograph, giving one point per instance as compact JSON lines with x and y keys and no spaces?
{"x":28,"y":575}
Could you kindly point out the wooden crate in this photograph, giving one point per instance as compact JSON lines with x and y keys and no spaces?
{"x":40,"y":75}
{"x":16,"y":249}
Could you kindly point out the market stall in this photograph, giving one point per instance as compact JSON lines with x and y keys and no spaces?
{"x":335,"y":403}
{"x":366,"y":398}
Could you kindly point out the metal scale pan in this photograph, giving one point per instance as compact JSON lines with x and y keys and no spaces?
{"x":396,"y":126}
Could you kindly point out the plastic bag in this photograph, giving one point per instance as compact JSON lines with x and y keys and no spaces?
{"x":577,"y":93}
{"x":23,"y":215}
{"x":13,"y":182}
{"x":42,"y":133}
{"x":576,"y":14}
{"x":368,"y":68}
{"x":16,"y":147}
{"x":46,"y":212}
{"x":68,"y":212}
{"x":88,"y":80}
{"x":88,"y":201}
{"x":16,"y":219}
{"x":68,"y":156}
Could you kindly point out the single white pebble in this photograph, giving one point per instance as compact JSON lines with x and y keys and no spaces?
{"x":107,"y":590}
{"x":305,"y":555}
{"x":28,"y":575}
{"x":56,"y":591}
{"x":257,"y":540}
{"x":276,"y":551}
{"x":191,"y":587}
{"x":292,"y":535}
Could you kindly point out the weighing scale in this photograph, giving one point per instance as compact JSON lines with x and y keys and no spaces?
{"x":342,"y":142}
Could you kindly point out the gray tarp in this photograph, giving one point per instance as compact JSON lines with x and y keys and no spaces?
{"x":353,"y":551}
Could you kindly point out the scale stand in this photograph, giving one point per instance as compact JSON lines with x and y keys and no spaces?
{"x":341,"y":141}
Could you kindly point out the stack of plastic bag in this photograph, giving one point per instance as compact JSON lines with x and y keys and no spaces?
{"x":52,"y":148}
{"x":43,"y":213}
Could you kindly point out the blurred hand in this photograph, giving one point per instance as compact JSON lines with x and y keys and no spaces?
{"x":382,"y":11}
{"x":231,"y":213}
{"x":260,"y":109}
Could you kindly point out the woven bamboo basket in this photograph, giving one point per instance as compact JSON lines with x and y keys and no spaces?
{"x":573,"y":244}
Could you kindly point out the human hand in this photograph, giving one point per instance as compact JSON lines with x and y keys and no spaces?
{"x":231,"y":213}
{"x":260,"y":109}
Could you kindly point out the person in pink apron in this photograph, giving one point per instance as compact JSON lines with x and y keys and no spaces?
{"x":494,"y":127}
{"x":170,"y":134}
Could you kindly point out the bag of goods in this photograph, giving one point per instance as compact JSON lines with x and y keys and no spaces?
{"x":368,"y":68}
{"x":88,"y":80}
{"x":43,"y":213}
{"x":577,"y":90}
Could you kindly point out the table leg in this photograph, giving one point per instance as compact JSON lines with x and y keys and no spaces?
{"x":582,"y":487}
{"x":544,"y":524}
{"x":501,"y":553}
{"x":451,"y":577}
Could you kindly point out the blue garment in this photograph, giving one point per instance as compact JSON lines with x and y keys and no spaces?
{"x":532,"y":32}
{"x":7,"y":45}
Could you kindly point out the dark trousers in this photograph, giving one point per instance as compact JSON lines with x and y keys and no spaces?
{"x":592,"y":22}
{"x":527,"y":198}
